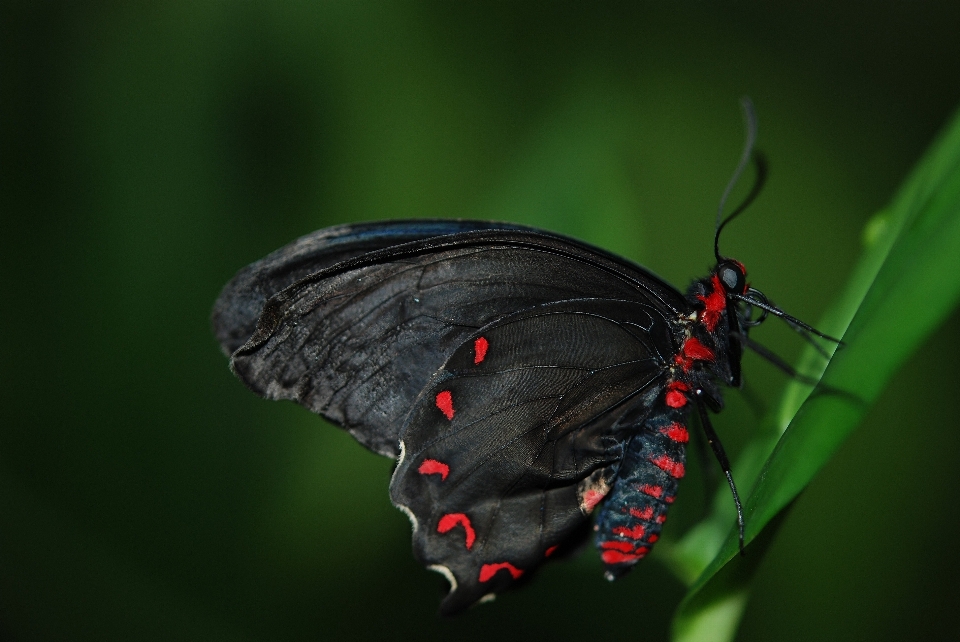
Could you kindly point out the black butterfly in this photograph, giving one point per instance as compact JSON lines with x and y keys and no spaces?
{"x":520,"y":378}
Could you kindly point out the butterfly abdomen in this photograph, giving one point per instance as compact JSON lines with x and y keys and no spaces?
{"x":634,"y":513}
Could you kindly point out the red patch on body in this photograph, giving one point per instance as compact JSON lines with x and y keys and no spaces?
{"x":677,"y":433}
{"x":616,"y":557}
{"x":653,"y":538}
{"x":653,"y":491}
{"x":625,"y":547}
{"x":550,"y":551}
{"x":646,"y":513}
{"x":692,"y":350}
{"x":637,"y":532}
{"x":480,"y":346}
{"x":487,"y":571}
{"x":714,"y":304}
{"x":742,"y":269}
{"x":661,"y":519}
{"x":451,"y":520}
{"x":675,"y":397}
{"x":669,"y":499}
{"x":445,"y":404}
{"x":641,"y":551}
{"x":433,"y":467}
{"x":667,"y":465}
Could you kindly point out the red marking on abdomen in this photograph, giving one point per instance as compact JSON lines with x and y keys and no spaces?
{"x":714,"y":304}
{"x":451,"y":520}
{"x":637,"y":532}
{"x":616,"y":557}
{"x":625,"y":547}
{"x":667,"y":465}
{"x":669,"y":499}
{"x":445,"y":404}
{"x":653,"y":538}
{"x":661,"y":519}
{"x":480,"y":346}
{"x":487,"y":571}
{"x":653,"y":491}
{"x":432,"y":467}
{"x":550,"y":551}
{"x":642,"y":550}
{"x":591,"y":498}
{"x":647,"y":512}
{"x":677,"y":433}
{"x":675,"y":397}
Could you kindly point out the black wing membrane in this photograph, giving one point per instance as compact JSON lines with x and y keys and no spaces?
{"x":358,"y":341}
{"x":515,"y":441}
{"x":241,"y":301}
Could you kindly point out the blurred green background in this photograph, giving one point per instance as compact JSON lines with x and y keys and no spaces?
{"x":149,"y":150}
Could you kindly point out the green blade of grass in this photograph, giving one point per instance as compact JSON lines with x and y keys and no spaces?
{"x":905,"y":284}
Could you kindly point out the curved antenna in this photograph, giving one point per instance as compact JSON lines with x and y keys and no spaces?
{"x":750,"y":120}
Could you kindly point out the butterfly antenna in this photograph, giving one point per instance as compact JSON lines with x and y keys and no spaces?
{"x":750,"y":121}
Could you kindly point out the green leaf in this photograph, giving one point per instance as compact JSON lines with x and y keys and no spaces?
{"x":905,"y":284}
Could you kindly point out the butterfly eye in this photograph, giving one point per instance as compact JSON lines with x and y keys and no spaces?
{"x":733,"y":277}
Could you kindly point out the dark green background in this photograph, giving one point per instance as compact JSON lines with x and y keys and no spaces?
{"x":152,"y":149}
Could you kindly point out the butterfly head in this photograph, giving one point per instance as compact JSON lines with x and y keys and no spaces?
{"x":733,"y":276}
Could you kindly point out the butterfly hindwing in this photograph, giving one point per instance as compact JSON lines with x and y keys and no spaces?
{"x":357,"y":342}
{"x":514,"y":441}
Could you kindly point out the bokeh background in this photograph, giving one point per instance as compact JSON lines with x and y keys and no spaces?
{"x":149,"y":150}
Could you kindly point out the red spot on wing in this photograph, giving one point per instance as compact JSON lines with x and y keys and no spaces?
{"x":432,"y":467}
{"x":451,"y":520}
{"x":714,"y":303}
{"x":637,"y":532}
{"x":616,"y":557}
{"x":675,"y":397}
{"x":625,"y":547}
{"x":677,"y":433}
{"x":661,"y":519}
{"x":669,"y":499}
{"x":647,"y":513}
{"x":445,"y":404}
{"x":591,"y":498}
{"x":480,"y":346}
{"x":653,"y":538}
{"x":487,"y":571}
{"x":667,"y":465}
{"x":653,"y":491}
{"x":642,"y":550}
{"x":550,"y":551}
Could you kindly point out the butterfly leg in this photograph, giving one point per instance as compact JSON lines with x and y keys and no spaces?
{"x":721,"y":455}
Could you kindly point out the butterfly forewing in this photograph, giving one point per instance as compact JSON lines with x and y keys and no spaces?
{"x":241,"y":301}
{"x":358,"y":341}
{"x":518,"y":437}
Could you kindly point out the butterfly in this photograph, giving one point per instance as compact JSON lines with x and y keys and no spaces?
{"x":522,"y":380}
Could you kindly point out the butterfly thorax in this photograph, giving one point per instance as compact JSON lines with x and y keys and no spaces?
{"x":708,"y":349}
